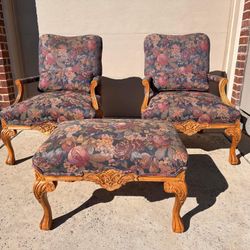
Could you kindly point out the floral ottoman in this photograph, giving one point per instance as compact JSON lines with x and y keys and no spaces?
{"x":112,"y":152}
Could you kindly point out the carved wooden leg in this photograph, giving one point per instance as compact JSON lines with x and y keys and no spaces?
{"x":6,"y":135}
{"x":179,"y":188}
{"x":40,"y":189}
{"x":235,"y":133}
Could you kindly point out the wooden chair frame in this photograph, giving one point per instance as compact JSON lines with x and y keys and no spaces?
{"x":111,"y":180}
{"x":191,"y":127}
{"x":9,"y":131}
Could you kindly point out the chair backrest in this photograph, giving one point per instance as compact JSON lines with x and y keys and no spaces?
{"x":69,"y":63}
{"x":177,"y":62}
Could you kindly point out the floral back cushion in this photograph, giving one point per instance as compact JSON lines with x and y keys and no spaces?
{"x":177,"y":62}
{"x":69,"y":63}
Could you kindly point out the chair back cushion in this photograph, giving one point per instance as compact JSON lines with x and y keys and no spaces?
{"x":177,"y":62}
{"x":69,"y":63}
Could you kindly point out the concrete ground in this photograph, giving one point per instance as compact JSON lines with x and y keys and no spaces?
{"x":138,"y":216}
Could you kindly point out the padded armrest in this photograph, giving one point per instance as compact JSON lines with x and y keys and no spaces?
{"x":216,"y":76}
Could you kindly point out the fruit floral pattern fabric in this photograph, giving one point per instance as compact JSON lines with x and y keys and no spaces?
{"x":179,"y":106}
{"x":69,"y":63}
{"x":177,"y":62}
{"x":57,"y":106}
{"x":135,"y":146}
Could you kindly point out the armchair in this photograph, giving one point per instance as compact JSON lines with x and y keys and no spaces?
{"x":69,"y":69}
{"x":177,"y":68}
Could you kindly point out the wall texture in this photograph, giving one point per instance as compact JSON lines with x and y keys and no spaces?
{"x":124,"y":24}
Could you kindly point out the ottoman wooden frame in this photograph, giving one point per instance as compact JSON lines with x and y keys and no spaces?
{"x":191,"y":127}
{"x":9,"y":131}
{"x":110,"y":180}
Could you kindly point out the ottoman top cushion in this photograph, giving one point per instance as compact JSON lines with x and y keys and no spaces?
{"x":142,"y":147}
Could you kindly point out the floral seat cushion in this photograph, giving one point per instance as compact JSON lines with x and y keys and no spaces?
{"x":177,"y":62}
{"x":54,"y":106}
{"x":142,"y":147}
{"x":179,"y":106}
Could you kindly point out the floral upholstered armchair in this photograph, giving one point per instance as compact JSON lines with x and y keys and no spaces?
{"x":69,"y":69}
{"x":177,"y":70}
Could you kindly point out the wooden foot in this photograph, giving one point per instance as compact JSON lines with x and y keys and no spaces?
{"x":235,"y":133}
{"x":40,"y":189}
{"x":6,"y":135}
{"x":179,"y":188}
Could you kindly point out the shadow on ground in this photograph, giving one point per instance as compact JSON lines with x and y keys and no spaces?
{"x":204,"y":180}
{"x":206,"y":140}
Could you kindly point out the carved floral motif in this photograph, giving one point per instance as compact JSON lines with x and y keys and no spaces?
{"x":110,"y":179}
{"x":190,"y":127}
{"x":45,"y":128}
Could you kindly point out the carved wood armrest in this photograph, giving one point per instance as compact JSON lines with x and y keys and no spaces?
{"x":222,"y":88}
{"x":93,"y":85}
{"x":20,"y":82}
{"x":146,"y":84}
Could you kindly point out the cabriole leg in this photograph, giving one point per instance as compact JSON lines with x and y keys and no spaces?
{"x":235,"y":133}
{"x":40,"y":189}
{"x":6,"y":135}
{"x":179,"y":188}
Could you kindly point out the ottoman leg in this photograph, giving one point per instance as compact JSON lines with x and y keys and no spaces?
{"x":40,"y":189}
{"x":177,"y":186}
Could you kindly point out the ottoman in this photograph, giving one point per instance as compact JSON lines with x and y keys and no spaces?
{"x":111,"y":153}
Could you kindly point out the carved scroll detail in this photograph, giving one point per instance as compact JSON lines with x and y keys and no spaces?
{"x":45,"y":128}
{"x":190,"y":127}
{"x":40,"y":189}
{"x":110,"y":179}
{"x":235,"y":133}
{"x":179,"y":188}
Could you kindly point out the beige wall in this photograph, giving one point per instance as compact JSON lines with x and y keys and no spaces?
{"x":124,"y":24}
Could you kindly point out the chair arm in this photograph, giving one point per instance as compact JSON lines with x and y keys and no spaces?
{"x":146,"y":84}
{"x":222,"y":87}
{"x":93,"y":85}
{"x":19,"y":84}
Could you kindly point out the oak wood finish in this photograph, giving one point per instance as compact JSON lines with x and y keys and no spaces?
{"x":191,"y":127}
{"x":146,"y":84}
{"x":8,"y":130}
{"x":6,"y":135}
{"x":222,"y":90}
{"x":40,"y":189}
{"x":20,"y":86}
{"x":110,"y":180}
{"x":93,"y":85}
{"x":235,"y":133}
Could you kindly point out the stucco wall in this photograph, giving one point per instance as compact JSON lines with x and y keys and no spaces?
{"x":124,"y":24}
